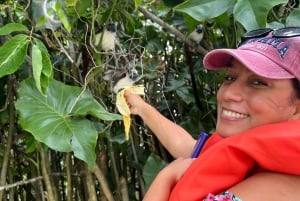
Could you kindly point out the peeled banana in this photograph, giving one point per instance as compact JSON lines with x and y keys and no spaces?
{"x":123,"y":107}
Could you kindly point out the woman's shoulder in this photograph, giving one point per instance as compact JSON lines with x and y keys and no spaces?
{"x":266,"y":186}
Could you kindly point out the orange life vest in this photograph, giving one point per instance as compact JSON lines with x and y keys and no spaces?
{"x":227,"y":161}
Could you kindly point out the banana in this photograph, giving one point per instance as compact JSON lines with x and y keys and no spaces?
{"x":123,"y":107}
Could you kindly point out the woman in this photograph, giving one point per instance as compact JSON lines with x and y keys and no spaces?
{"x":259,"y":100}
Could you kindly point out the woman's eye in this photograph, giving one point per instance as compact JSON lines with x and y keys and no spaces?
{"x":259,"y":83}
{"x":229,"y":78}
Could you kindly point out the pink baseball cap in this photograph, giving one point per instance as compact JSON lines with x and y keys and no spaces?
{"x":271,"y":57}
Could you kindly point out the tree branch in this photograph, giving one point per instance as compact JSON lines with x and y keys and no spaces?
{"x":12,"y":117}
{"x":103,"y":183}
{"x":171,"y":29}
{"x":20,"y":183}
{"x":46,"y":177}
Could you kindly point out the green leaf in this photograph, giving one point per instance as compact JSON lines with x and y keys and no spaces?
{"x":63,"y":18}
{"x":86,"y":104}
{"x":44,"y":15}
{"x":174,"y":85}
{"x":12,"y":54}
{"x":70,"y":3}
{"x":58,"y":119}
{"x":47,"y":64}
{"x":183,"y":93}
{"x":12,"y":27}
{"x":154,"y":45}
{"x":137,"y":3}
{"x":37,"y":66}
{"x":252,"y":14}
{"x":42,"y":66}
{"x":293,"y":18}
{"x":172,"y":3}
{"x":202,"y":10}
{"x":153,"y":165}
{"x":82,"y":7}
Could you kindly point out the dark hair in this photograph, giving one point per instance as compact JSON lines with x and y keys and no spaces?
{"x":296,"y":85}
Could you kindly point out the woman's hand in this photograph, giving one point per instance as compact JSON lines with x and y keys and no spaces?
{"x":174,"y":138}
{"x":134,"y":102}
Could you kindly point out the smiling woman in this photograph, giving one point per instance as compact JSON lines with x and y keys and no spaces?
{"x":258,"y":111}
{"x":247,"y":100}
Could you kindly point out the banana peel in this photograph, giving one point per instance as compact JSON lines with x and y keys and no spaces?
{"x":123,"y":107}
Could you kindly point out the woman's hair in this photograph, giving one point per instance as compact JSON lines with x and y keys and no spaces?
{"x":296,"y":85}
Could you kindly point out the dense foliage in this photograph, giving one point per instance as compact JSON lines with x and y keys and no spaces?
{"x":62,"y":137}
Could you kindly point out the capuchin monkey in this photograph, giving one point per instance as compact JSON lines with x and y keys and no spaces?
{"x":121,"y":78}
{"x":197,"y":34}
{"x":107,"y":38}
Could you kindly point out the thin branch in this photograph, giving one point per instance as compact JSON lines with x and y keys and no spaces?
{"x":91,"y":187}
{"x":124,"y":189}
{"x":171,"y":29}
{"x":20,"y":183}
{"x":104,"y":185}
{"x":32,"y":180}
{"x":6,"y":156}
{"x":62,"y":49}
{"x":142,"y":186}
{"x":45,"y":173}
{"x":69,"y":177}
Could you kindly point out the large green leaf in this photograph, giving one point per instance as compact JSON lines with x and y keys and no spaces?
{"x":202,"y":10}
{"x":12,"y":54}
{"x":252,"y":14}
{"x":58,"y":119}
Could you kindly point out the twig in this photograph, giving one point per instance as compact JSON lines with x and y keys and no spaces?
{"x":171,"y":29}
{"x":32,"y":180}
{"x":20,"y":183}
{"x":45,"y":173}
{"x":7,"y":152}
{"x":91,"y":187}
{"x":62,"y":49}
{"x":104,"y":185}
{"x":124,"y":189}
{"x":143,"y":190}
{"x":69,"y":177}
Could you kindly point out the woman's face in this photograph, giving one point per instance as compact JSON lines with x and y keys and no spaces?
{"x":247,"y":100}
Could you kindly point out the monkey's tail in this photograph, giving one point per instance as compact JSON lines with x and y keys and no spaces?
{"x":188,"y":56}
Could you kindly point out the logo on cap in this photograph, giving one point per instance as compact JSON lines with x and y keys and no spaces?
{"x":277,"y":43}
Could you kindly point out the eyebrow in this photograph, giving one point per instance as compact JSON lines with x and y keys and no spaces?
{"x":230,"y":64}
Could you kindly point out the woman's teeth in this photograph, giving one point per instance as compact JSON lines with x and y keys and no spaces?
{"x":235,"y":115}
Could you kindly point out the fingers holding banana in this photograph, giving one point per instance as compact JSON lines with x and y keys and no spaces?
{"x":123,"y":107}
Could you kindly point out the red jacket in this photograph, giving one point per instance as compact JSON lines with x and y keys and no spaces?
{"x":227,"y":161}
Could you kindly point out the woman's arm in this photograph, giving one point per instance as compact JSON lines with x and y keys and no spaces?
{"x":166,"y":179}
{"x":268,"y":186}
{"x":173,"y":137}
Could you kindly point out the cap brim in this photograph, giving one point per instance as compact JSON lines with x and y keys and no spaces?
{"x":254,"y":61}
